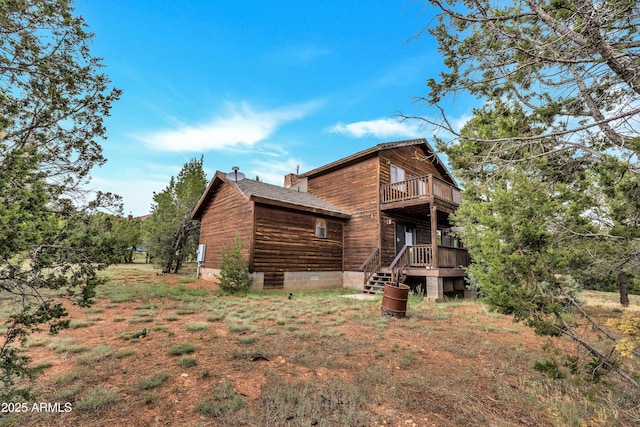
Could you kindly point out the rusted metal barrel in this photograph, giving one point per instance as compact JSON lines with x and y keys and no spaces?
{"x":394,"y":299}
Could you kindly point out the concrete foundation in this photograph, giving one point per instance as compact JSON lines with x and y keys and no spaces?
{"x":293,"y":280}
{"x":211,"y":274}
{"x":353,"y":280}
{"x":258,"y":281}
{"x":303,"y":280}
{"x":435,"y":289}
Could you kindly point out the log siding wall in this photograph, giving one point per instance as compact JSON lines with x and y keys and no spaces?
{"x":227,"y":213}
{"x":354,"y":189}
{"x":285,"y":241}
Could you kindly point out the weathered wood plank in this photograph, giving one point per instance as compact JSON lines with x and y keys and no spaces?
{"x":424,"y":189}
{"x":354,"y":189}
{"x":227,"y":213}
{"x":286,"y":240}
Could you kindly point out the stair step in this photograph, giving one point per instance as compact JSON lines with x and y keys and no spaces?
{"x":377,"y":282}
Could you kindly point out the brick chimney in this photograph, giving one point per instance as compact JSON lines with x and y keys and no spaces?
{"x":295,"y":182}
{"x":290,"y":180}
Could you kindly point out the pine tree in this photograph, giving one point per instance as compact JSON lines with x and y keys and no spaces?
{"x":52,"y":106}
{"x":550,"y":164}
{"x":538,"y":231}
{"x":171,"y":236}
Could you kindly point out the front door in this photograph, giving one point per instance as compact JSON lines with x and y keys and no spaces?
{"x":405,"y":236}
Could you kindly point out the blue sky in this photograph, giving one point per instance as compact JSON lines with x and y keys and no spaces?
{"x":264,"y":85}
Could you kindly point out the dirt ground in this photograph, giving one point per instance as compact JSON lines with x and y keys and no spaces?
{"x":443,"y":365}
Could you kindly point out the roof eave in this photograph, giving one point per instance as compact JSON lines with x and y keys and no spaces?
{"x":374,"y":151}
{"x":303,"y":208}
{"x":217,"y":180}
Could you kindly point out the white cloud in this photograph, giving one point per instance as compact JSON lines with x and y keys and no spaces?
{"x":241,"y":125}
{"x":380,"y":128}
{"x":137,"y":198}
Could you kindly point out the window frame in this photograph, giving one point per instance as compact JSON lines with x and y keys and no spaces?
{"x":321,"y":228}
{"x":396,"y":172}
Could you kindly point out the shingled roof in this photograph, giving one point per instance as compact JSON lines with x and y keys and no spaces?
{"x":269,"y":194}
{"x":260,"y":191}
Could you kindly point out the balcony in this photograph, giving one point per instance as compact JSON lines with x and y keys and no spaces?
{"x":419,"y":190}
{"x":419,"y":260}
{"x":416,"y":256}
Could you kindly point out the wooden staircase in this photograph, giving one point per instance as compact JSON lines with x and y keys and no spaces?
{"x":377,"y":281}
{"x":376,"y":276}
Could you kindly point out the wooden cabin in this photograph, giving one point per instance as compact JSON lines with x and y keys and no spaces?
{"x":288,"y":238}
{"x":385,"y":212}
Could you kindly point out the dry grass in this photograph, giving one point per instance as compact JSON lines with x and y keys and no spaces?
{"x":608,"y":301}
{"x":319,"y":359}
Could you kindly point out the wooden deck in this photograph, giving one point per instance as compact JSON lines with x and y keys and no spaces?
{"x":422,"y":256}
{"x":415,"y":261}
{"x":419,"y":191}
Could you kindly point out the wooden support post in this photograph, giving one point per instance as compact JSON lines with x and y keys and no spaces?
{"x":434,"y":235}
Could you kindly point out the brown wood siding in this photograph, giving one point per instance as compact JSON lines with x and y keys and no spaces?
{"x":354,"y":189}
{"x":227,"y":213}
{"x":424,"y":233}
{"x":286,"y":240}
{"x":407,"y":158}
{"x":388,"y":239}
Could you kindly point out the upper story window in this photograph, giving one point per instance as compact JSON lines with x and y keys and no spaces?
{"x":321,"y":228}
{"x":397,"y":174}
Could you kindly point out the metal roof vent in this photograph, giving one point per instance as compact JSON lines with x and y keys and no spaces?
{"x":235,"y":175}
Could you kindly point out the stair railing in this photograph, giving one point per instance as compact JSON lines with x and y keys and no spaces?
{"x":372,"y":265}
{"x":400,"y":262}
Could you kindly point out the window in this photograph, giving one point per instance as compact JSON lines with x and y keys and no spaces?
{"x":397,"y":174}
{"x":321,"y":228}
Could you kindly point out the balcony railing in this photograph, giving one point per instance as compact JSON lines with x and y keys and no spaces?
{"x":420,"y":188}
{"x":453,"y":257}
{"x":417,"y":256}
{"x":447,"y":257}
{"x":422,"y":256}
